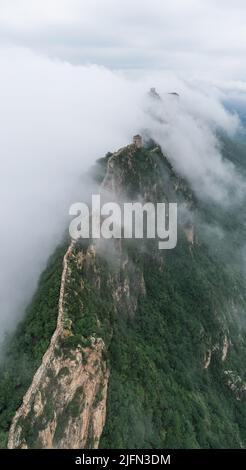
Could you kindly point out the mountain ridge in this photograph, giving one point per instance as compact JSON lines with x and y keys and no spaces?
{"x":161,"y":327}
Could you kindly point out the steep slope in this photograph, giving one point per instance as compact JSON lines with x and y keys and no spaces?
{"x":77,"y":382}
{"x":148,"y":339}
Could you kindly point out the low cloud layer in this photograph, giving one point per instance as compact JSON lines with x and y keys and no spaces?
{"x":56,"y":119}
{"x":186,"y":127}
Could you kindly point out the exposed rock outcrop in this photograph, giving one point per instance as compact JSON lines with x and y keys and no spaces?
{"x":207,"y":359}
{"x":225,"y":348}
{"x":236,"y":384}
{"x":65,"y":406}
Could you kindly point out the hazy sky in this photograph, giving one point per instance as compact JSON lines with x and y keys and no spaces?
{"x":201,"y":38}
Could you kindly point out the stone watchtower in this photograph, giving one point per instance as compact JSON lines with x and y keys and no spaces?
{"x":138,"y":141}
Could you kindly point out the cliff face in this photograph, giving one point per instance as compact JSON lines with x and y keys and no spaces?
{"x":67,"y":408}
{"x":146,"y":352}
{"x":65,"y":405}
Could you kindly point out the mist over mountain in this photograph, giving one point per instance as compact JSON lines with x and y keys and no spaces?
{"x":113,"y":322}
{"x":69,"y":120}
{"x":115,"y":342}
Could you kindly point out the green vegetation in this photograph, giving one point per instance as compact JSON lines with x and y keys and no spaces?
{"x":160,"y":395}
{"x":91,"y":314}
{"x":23,"y":351}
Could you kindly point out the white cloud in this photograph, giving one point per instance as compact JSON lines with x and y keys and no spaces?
{"x":55,"y":120}
{"x":186,"y":130}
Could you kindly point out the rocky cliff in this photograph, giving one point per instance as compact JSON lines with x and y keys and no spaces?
{"x":65,"y":406}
